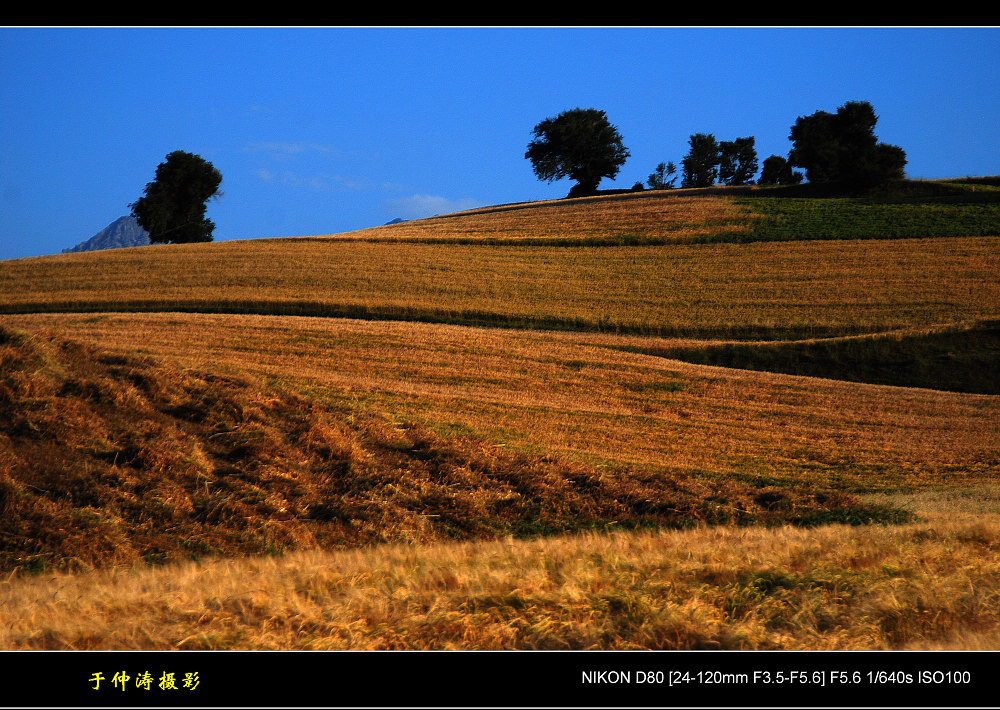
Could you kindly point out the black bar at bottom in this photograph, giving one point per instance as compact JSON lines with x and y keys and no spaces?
{"x":498,"y":679}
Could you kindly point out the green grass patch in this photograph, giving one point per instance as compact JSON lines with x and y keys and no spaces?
{"x":905,"y":210}
{"x":654,"y":387}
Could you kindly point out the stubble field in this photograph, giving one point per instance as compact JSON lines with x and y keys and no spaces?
{"x":472,"y":432}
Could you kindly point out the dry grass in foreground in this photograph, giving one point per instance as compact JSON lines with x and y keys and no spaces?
{"x":581,"y":397}
{"x":109,"y":459}
{"x":929,"y":585}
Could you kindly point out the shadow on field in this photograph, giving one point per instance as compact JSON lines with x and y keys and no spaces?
{"x":959,"y":358}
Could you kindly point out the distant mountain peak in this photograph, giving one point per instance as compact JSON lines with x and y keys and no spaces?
{"x":123,"y":232}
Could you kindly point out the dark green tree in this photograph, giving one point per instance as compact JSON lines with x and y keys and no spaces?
{"x":701,"y":164}
{"x":842,"y":148}
{"x":173,"y":207}
{"x":660,"y":179}
{"x":777,"y":171}
{"x":737,"y":161}
{"x":580,"y":144}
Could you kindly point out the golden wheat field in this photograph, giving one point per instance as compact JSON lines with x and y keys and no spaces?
{"x":764,"y":289}
{"x":456,"y":434}
{"x":714,"y":291}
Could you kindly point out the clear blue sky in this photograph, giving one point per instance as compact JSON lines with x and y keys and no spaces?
{"x":324,"y":130}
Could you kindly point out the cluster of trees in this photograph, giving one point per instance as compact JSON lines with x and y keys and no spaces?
{"x":842,"y":148}
{"x":709,"y":161}
{"x":581,"y":144}
{"x":838,"y":148}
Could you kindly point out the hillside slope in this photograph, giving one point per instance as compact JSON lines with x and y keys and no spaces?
{"x":619,"y":266}
{"x":240,"y":431}
{"x":108,"y":459}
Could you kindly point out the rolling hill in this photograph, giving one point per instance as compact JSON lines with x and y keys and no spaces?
{"x":695,"y":391}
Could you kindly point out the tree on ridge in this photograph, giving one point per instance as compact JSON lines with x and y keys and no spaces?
{"x":842,"y":148}
{"x":580,"y":144}
{"x":737,"y":161}
{"x":658,"y":179}
{"x":173,"y":207}
{"x":701,"y":164}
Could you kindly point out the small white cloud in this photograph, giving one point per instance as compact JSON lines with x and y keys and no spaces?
{"x":317,"y":182}
{"x":417,"y":206}
{"x":355,"y":183}
{"x":283,"y":149}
